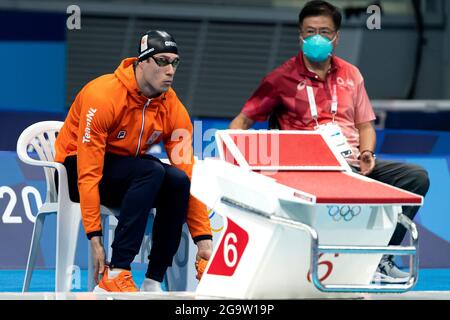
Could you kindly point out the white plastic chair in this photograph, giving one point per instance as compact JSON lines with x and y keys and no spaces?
{"x":41,"y":136}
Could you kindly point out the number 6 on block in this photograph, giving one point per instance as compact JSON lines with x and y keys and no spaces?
{"x":230,"y":250}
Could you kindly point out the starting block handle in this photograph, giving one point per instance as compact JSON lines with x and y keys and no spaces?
{"x":411,"y":250}
{"x":277,"y":219}
{"x":316,"y":250}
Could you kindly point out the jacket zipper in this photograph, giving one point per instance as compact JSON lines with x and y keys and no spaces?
{"x":142,"y":127}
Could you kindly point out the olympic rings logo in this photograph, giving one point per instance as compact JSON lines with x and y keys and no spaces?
{"x":343,"y":212}
{"x":211,"y":214}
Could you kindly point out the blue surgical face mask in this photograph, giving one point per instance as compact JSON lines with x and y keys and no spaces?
{"x":317,"y":48}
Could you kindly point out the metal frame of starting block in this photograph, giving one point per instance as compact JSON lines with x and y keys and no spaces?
{"x":290,"y":239}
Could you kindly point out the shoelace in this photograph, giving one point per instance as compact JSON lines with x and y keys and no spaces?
{"x":390,"y":263}
{"x":126,"y":281}
{"x":382,"y":267}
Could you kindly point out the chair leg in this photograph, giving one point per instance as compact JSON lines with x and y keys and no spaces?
{"x":32,"y":254}
{"x":67,"y":227}
{"x":90,"y":280}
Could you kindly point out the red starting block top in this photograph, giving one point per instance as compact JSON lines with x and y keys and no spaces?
{"x":304,"y":161}
{"x":341,"y":187}
{"x":291,"y":150}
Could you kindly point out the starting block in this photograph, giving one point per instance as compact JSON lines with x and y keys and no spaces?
{"x":298,"y":222}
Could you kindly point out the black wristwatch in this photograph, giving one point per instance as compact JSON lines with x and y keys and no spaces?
{"x":371,"y":152}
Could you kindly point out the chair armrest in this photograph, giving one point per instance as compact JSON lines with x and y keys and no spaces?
{"x":63,"y":191}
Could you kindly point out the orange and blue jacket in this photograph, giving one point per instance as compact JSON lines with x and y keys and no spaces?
{"x":110,"y":115}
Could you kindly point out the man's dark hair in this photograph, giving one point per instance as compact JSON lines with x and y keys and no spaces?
{"x":320,"y":8}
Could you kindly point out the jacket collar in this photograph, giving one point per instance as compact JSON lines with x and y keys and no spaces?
{"x":125,"y":72}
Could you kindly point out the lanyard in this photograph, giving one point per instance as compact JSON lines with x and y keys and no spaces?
{"x":313,"y":106}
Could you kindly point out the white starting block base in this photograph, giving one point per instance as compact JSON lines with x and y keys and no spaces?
{"x":257,"y":258}
{"x":301,"y":225}
{"x":275,"y":262}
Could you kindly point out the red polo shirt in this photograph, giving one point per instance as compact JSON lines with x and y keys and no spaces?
{"x":283,"y":91}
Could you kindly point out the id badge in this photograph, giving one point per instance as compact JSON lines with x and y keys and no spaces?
{"x":336,"y":137}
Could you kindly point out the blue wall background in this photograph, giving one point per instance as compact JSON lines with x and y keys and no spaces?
{"x":33,"y":56}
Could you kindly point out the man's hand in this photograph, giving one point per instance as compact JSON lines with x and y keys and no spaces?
{"x":204,"y":250}
{"x":98,"y":256}
{"x":366,"y":162}
{"x":367,"y":142}
{"x":241,"y":122}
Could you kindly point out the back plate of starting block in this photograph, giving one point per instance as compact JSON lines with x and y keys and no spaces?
{"x":279,"y":150}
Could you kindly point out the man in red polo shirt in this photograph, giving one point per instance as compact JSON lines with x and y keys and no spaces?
{"x":317,"y":90}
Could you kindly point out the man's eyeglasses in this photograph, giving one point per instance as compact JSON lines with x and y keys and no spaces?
{"x":324,"y":32}
{"x":162,"y":62}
